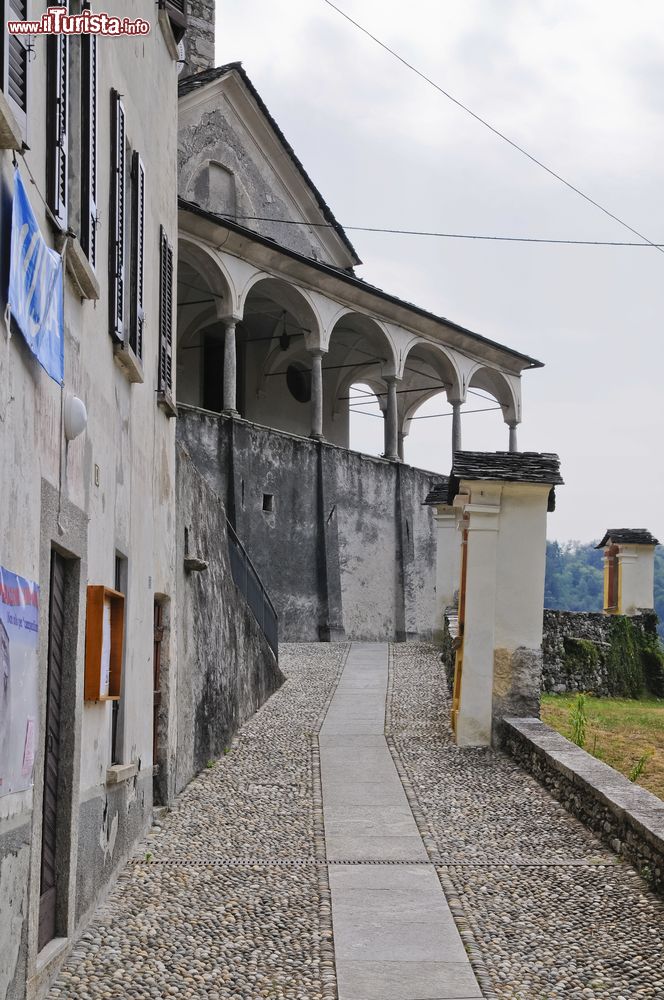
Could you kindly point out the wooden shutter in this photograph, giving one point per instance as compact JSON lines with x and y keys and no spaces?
{"x":57,"y":125}
{"x":117,"y":218}
{"x":165,"y":316}
{"x":89,"y":88}
{"x":137,"y":255}
{"x":14,"y":53}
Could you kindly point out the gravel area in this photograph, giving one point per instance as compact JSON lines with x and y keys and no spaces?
{"x":182,"y":926}
{"x":553,"y":913}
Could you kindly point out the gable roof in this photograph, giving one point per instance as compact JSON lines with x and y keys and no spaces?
{"x":202,"y":79}
{"x":628,"y":536}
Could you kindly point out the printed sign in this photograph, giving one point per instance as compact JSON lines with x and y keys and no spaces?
{"x":36,"y":287}
{"x":19,"y":694}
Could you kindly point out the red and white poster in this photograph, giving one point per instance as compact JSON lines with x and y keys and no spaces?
{"x":19,"y":691}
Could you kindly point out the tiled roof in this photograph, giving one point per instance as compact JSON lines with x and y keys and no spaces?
{"x":198,"y":80}
{"x":507,"y":466}
{"x":439,"y":492}
{"x":628,"y":536}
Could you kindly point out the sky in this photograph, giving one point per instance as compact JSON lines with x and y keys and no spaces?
{"x":581,"y":87}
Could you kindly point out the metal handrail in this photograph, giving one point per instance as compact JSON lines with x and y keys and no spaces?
{"x":248,"y":581}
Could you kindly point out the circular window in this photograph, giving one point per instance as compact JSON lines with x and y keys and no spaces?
{"x":298,"y":380}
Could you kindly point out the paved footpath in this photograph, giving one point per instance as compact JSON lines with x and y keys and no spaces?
{"x":394,"y":935}
{"x":320,"y":858}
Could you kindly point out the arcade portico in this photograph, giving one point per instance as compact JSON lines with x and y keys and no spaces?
{"x":279,"y":338}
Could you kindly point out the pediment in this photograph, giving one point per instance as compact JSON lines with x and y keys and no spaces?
{"x":235,"y":161}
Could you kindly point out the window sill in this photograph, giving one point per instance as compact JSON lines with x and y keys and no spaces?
{"x":128,"y":362}
{"x":167,"y":403}
{"x":117,"y":773}
{"x":11,"y":136}
{"x":79,"y":268}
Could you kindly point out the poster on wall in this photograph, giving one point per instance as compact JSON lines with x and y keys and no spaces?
{"x":19,"y":690}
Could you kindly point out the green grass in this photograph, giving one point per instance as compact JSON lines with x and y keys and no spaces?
{"x":620,"y":731}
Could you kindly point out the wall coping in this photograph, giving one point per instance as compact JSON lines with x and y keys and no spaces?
{"x":632,"y":805}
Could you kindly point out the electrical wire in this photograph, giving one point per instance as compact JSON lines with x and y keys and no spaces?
{"x":427,"y":416}
{"x":447,"y":236}
{"x":492,"y":128}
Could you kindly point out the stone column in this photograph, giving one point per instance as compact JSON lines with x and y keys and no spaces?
{"x":230,"y":369}
{"x":391,"y":418}
{"x":402,"y":437}
{"x":448,"y":559}
{"x":317,"y":395}
{"x":456,"y":426}
{"x":513,"y":445}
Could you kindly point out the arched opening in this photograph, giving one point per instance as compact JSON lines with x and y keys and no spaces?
{"x":430,"y":381}
{"x":360,"y":355}
{"x":278,"y":323}
{"x":490,"y":389}
{"x":203,"y":294}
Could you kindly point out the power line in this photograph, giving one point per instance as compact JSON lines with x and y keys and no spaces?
{"x":446,"y":236}
{"x":492,"y":128}
{"x":427,"y":416}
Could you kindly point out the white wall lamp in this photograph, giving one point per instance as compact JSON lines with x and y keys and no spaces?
{"x":75,"y":416}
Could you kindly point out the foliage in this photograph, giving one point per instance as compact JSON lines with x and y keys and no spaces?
{"x":639,"y":767}
{"x":580,"y":654}
{"x":578,"y":721}
{"x":625,"y":674}
{"x":575,"y":578}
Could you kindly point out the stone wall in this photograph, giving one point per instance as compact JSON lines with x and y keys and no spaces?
{"x":341,"y":540}
{"x":581,"y":649}
{"x":626,"y":817}
{"x":225,"y":669}
{"x":199,"y":38}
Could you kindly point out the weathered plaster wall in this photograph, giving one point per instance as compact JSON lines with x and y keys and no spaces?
{"x":225,"y":669}
{"x":348,"y":547}
{"x":117,"y":482}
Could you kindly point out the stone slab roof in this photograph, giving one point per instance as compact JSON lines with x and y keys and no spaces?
{"x":627,"y":536}
{"x":206,"y":76}
{"x":439,"y":492}
{"x":507,"y":466}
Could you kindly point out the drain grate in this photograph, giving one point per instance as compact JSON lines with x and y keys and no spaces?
{"x":441,"y":862}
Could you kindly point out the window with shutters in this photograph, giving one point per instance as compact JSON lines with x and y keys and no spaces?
{"x":165,"y":374}
{"x":137,"y":313}
{"x":116,"y":250}
{"x":177,"y":11}
{"x":89,"y":116}
{"x":57,"y":126}
{"x":14,"y":58}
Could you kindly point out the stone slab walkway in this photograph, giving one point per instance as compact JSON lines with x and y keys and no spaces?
{"x":394,"y":935}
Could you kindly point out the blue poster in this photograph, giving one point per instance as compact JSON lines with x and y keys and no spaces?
{"x":19,"y":673}
{"x":36,"y":287}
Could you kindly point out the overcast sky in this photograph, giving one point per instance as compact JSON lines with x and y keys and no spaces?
{"x":581,"y":86}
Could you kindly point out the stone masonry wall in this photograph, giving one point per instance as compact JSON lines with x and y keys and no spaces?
{"x":199,"y":38}
{"x":576,"y":647}
{"x":626,"y":817}
{"x":341,"y":540}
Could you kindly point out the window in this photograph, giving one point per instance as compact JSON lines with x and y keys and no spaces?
{"x":57,"y":125}
{"x":177,"y":14}
{"x":89,"y":84}
{"x":214,"y":189}
{"x":137,"y":315}
{"x":14,"y":57}
{"x":165,"y":374}
{"x":268,"y":503}
{"x":298,"y":380}
{"x":117,"y":219}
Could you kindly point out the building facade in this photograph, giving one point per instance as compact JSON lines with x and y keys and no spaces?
{"x":90,"y":513}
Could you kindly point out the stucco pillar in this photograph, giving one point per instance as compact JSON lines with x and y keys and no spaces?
{"x":317,"y":394}
{"x":513,"y":444}
{"x":230,"y":368}
{"x":448,"y":558}
{"x":390,"y":418}
{"x":475,"y":713}
{"x":456,"y":426}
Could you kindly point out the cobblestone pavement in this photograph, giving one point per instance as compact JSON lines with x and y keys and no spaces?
{"x":552,"y":911}
{"x":234,"y":906}
{"x":219,"y":913}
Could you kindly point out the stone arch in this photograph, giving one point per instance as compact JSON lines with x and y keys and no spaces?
{"x":290,"y":298}
{"x":440,"y":361}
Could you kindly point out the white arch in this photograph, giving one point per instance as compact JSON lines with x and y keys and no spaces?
{"x":500,"y":386}
{"x":294,"y":298}
{"x":442,"y":360}
{"x":372,"y":326}
{"x":212,"y":269}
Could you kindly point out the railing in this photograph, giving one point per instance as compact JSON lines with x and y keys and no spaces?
{"x":249,"y":583}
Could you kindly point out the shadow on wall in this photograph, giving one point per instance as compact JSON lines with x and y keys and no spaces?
{"x":226,"y":669}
